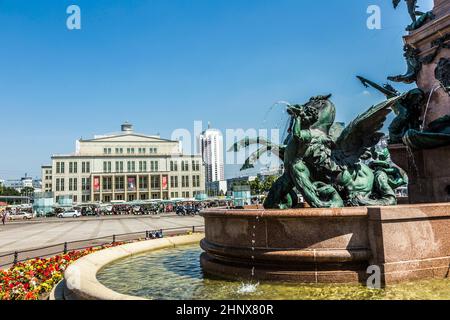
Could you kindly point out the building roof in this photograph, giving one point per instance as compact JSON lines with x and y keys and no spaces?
{"x":134,"y":137}
{"x":126,"y":131}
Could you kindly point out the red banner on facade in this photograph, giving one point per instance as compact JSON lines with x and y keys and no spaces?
{"x":131,"y":184}
{"x":165,"y":184}
{"x":96,"y":184}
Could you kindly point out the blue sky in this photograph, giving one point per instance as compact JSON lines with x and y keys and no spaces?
{"x":162,"y":64}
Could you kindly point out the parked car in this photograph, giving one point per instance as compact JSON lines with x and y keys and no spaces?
{"x":181,"y":211}
{"x":69,"y":214}
{"x":192,"y":210}
{"x":20,"y":216}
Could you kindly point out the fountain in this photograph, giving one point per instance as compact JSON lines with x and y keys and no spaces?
{"x":353,"y":230}
{"x":354,"y":221}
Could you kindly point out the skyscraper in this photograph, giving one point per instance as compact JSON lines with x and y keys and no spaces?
{"x":211,"y":144}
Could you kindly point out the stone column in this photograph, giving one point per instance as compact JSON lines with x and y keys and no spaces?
{"x":428,"y":170}
{"x":423,"y":39}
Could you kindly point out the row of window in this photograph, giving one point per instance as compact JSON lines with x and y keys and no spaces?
{"x":155,"y":182}
{"x":130,"y":150}
{"x":131,"y":166}
{"x":185,"y":181}
{"x":184,"y":194}
{"x":72,"y":184}
{"x":185,"y":165}
{"x":107,"y":183}
{"x":119,"y":166}
{"x":73,"y":167}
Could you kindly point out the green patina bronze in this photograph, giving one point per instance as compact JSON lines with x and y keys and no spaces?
{"x":407,"y":109}
{"x":329,"y":165}
{"x":418,"y":18}
{"x":407,"y":128}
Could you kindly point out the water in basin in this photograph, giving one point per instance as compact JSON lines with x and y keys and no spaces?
{"x":176,"y":273}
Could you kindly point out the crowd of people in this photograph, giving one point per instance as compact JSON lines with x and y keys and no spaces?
{"x":184,"y":208}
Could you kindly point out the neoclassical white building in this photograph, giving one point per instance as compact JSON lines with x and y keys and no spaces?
{"x":124,"y":166}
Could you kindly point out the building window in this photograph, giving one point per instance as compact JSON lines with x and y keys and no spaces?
{"x":107,"y":150}
{"x":174,"y":182}
{"x":85,"y":167}
{"x":107,"y":183}
{"x":153,"y":150}
{"x":185,"y":181}
{"x":130,"y":150}
{"x":85,"y":184}
{"x":141,"y":150}
{"x":184,"y":165}
{"x":195,"y":165}
{"x":120,"y":183}
{"x":173,"y":166}
{"x":119,"y":166}
{"x":185,"y":194}
{"x":154,"y":166}
{"x":62,"y":184}
{"x":107,"y":166}
{"x":143,"y":183}
{"x":142,"y":166}
{"x":155,"y":182}
{"x":131,"y":166}
{"x":196,"y":181}
{"x":59,"y":167}
{"x":119,"y":150}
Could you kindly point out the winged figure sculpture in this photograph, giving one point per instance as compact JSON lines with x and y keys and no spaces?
{"x":328,"y":165}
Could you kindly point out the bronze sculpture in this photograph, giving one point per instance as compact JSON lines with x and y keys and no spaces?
{"x":329,"y":166}
{"x":414,"y":13}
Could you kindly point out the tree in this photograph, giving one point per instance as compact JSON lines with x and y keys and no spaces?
{"x":9,"y":192}
{"x":256,"y":186}
{"x":27,"y":191}
{"x":267,"y":185}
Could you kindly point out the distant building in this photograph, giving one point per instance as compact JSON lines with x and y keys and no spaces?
{"x":239,"y":181}
{"x":217,"y":188}
{"x":46,"y":176}
{"x":211,"y":144}
{"x":124,"y":166}
{"x":20,"y":184}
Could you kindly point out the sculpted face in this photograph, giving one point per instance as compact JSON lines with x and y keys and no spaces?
{"x":307,"y":113}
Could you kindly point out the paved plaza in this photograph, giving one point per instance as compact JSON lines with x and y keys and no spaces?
{"x":34,"y":234}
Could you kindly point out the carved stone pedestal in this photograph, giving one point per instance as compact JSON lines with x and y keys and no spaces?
{"x":429,"y":170}
{"x":426,"y":39}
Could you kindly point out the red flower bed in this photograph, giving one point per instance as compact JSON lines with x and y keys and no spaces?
{"x":33,"y":279}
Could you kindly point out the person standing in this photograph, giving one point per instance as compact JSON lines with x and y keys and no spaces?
{"x":3,"y":217}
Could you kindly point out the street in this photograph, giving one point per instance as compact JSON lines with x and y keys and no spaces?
{"x":23,"y":235}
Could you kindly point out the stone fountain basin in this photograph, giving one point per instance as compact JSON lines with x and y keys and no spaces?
{"x":407,"y":242}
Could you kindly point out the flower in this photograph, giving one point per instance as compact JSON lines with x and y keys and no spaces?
{"x":32,"y":279}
